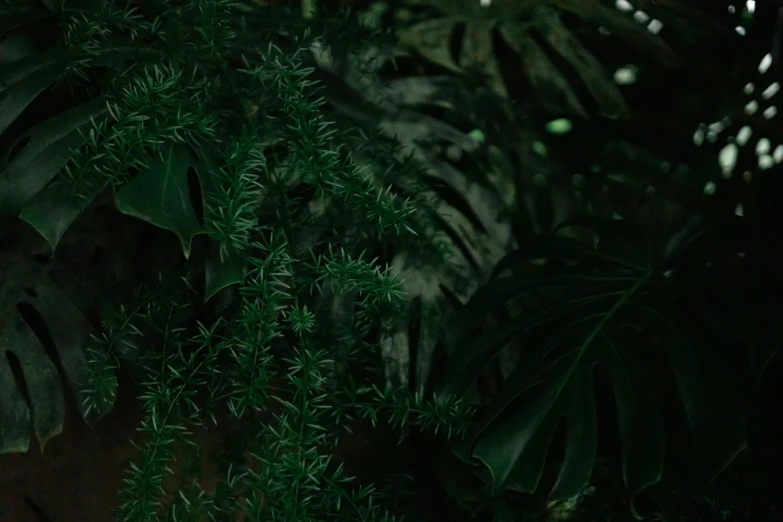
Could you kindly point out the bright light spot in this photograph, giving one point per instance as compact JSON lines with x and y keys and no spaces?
{"x":604,"y":31}
{"x":559,"y":126}
{"x":763,"y":146}
{"x":747,"y":176}
{"x":538,"y":148}
{"x":727,"y":158}
{"x":709,"y":188}
{"x":698,"y":137}
{"x":749,"y":88}
{"x":716,"y":127}
{"x":624,"y":6}
{"x":751,"y":107}
{"x":641,"y":17}
{"x":751,"y":5}
{"x":732,"y":9}
{"x":739,"y":211}
{"x":625,"y":76}
{"x":740,"y":30}
{"x":771,"y":91}
{"x":778,"y":154}
{"x":477,"y":135}
{"x":770,"y":112}
{"x":655,"y":26}
{"x":486,"y":3}
{"x":765,"y":63}
{"x":765,"y":161}
{"x":744,"y":135}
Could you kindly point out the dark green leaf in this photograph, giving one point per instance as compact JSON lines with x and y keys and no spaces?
{"x":51,"y":144}
{"x":626,"y":28}
{"x":26,"y":283}
{"x":52,"y":210}
{"x":550,"y":85}
{"x":589,"y":68}
{"x":160,"y":195}
{"x":220,"y":274}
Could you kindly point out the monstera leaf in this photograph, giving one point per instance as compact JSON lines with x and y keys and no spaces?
{"x":37,"y":155}
{"x":42,"y":335}
{"x":618,"y":306}
{"x":534,"y":30}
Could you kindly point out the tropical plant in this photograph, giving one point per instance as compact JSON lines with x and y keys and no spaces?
{"x":611,"y":306}
{"x":537,"y":30}
{"x":185,"y":118}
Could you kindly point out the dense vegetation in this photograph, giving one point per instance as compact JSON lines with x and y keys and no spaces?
{"x":423,"y":260}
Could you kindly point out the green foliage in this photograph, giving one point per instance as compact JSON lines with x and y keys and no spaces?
{"x":609,"y":306}
{"x":169,"y":85}
{"x":326,"y":216}
{"x":536,"y":31}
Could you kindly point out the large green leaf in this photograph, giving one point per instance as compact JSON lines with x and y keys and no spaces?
{"x":54,"y":209}
{"x":160,"y":195}
{"x":596,"y":310}
{"x":520,"y":21}
{"x":44,"y":151}
{"x":37,"y":317}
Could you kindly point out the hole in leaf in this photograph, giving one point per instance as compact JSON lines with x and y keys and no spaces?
{"x":38,"y":326}
{"x":31,"y":292}
{"x":455,"y":42}
{"x":18,"y":373}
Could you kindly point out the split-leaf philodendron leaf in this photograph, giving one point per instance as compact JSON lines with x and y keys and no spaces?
{"x":51,"y":144}
{"x":599,"y":309}
{"x":26,"y":291}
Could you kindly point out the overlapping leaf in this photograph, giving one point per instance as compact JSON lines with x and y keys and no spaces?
{"x":599,"y":308}
{"x":525,"y":25}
